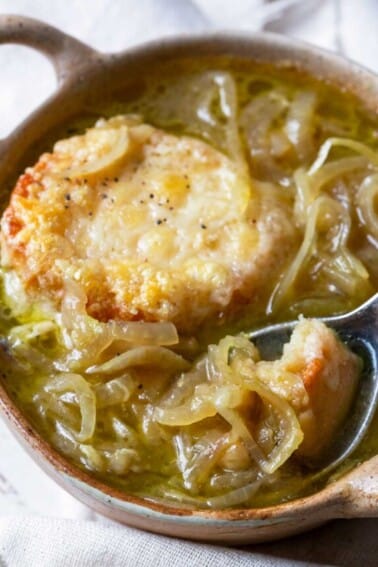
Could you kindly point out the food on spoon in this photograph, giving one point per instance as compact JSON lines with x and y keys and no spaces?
{"x":275,"y":408}
{"x":329,"y":372}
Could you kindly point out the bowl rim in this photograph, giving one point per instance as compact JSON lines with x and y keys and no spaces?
{"x":337,"y":70}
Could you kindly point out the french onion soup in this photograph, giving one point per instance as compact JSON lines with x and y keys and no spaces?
{"x":138,"y":252}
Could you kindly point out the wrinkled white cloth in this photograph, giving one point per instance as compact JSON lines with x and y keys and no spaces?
{"x":52,"y":542}
{"x":73,"y":543}
{"x":41,"y":525}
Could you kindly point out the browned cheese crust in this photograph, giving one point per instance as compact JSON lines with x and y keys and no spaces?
{"x":153,"y":226}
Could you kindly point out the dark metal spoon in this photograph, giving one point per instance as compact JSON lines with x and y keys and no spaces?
{"x":359,"y":331}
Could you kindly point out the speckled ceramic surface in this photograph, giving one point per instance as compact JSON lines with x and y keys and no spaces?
{"x":81,"y":72}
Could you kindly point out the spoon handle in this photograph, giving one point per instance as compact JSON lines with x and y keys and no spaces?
{"x":362,"y":321}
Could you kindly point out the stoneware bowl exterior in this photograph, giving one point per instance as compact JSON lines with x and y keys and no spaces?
{"x":81,"y":71}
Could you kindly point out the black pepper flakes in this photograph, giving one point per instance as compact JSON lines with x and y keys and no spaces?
{"x":140,"y":386}
{"x":159,"y":221}
{"x":67,"y":197}
{"x":90,"y":213}
{"x":116,"y":179}
{"x":104,"y":196}
{"x":203,"y":226}
{"x":152,"y":196}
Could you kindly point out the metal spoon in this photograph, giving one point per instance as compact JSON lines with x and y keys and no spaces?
{"x":359,"y":331}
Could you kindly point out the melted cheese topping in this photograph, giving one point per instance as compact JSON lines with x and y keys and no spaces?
{"x":152,"y":225}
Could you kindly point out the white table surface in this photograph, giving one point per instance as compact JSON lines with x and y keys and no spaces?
{"x":347,"y":26}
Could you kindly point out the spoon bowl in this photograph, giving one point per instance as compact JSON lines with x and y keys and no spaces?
{"x":359,"y":331}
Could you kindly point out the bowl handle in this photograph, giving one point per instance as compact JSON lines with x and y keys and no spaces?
{"x":359,"y":493}
{"x":66,"y":53}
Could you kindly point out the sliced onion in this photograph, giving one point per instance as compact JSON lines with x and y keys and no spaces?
{"x":28,"y":356}
{"x":258,"y":117}
{"x":121,"y":460}
{"x":123,"y":431}
{"x":299,"y":124}
{"x":86,"y":338}
{"x":308,"y":185}
{"x":116,"y":391}
{"x":358,"y":147}
{"x":336,"y":168}
{"x":257,"y":120}
{"x":197,"y":409}
{"x":159,"y":357}
{"x":94,"y":459}
{"x":210,"y":451}
{"x":241,"y":431}
{"x":233,"y":479}
{"x":177,"y":496}
{"x":85,"y":398}
{"x":183,"y":388}
{"x":218,"y":367}
{"x":287,"y":385}
{"x":73,"y":303}
{"x":367,"y":199}
{"x":141,"y":333}
{"x":75,"y":317}
{"x":234,"y":497}
{"x":324,"y":215}
{"x":118,"y":143}
{"x":30,"y":331}
{"x":292,"y":434}
{"x":206,"y":104}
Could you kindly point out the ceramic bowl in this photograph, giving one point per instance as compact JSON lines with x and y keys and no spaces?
{"x":81,"y":71}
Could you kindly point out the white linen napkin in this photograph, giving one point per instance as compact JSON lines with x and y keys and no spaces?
{"x":72,"y":534}
{"x":66,"y":542}
{"x":27,"y":541}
